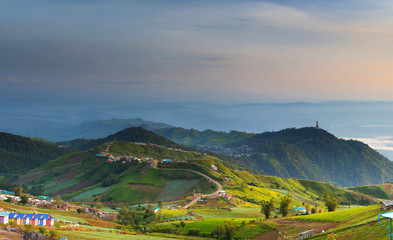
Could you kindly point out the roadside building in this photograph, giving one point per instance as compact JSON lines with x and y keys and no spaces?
{"x":387,"y":205}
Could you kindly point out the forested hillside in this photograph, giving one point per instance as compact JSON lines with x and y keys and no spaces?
{"x":18,"y":153}
{"x":316,"y":154}
{"x":308,"y":153}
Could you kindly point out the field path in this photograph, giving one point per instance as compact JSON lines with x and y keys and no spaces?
{"x":196,"y":198}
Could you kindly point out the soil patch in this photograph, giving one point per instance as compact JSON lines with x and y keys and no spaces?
{"x":76,"y":187}
{"x":76,"y":159}
{"x":290,"y":229}
{"x":10,"y":235}
{"x":67,"y":176}
{"x":23,"y":179}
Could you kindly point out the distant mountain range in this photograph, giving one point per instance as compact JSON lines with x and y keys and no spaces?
{"x":307,"y":153}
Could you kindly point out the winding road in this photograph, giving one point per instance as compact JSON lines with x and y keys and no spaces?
{"x":196,"y":198}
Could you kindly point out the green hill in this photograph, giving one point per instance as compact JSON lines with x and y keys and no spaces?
{"x":192,"y":137}
{"x":316,"y":154}
{"x":308,"y":153}
{"x":81,"y":176}
{"x":134,"y":134}
{"x":382,"y":191}
{"x":18,"y":153}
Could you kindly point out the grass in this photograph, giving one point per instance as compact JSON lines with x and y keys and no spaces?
{"x":252,"y":230}
{"x":226,"y":213}
{"x":177,"y":188}
{"x":209,"y":225}
{"x":90,"y":193}
{"x":165,"y":214}
{"x":352,"y":215}
{"x":372,"y":230}
{"x":255,"y":194}
{"x":84,"y":235}
{"x":58,"y":187}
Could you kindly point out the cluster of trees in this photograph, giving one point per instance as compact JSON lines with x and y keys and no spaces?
{"x":331,"y":204}
{"x":112,"y":179}
{"x":20,"y":153}
{"x":269,"y":206}
{"x":135,"y":217}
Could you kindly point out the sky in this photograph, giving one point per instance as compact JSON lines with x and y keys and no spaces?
{"x":127,"y":51}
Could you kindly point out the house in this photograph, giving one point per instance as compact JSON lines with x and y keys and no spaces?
{"x":229,"y":196}
{"x":45,"y":220}
{"x":386,"y":205}
{"x":214,"y":167}
{"x":301,"y":209}
{"x":222,"y":193}
{"x":26,"y":218}
{"x":4,"y":217}
{"x":33,"y":220}
{"x":306,"y":234}
{"x":14,"y":217}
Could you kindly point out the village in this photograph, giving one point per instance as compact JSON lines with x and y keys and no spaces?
{"x":152,"y":162}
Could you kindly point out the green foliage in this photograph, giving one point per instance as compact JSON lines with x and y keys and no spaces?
{"x":267,"y":207}
{"x":112,"y":179}
{"x":133,"y":217}
{"x":193,"y":232}
{"x":18,"y":153}
{"x":250,"y":231}
{"x":383,"y":191}
{"x":42,"y":230}
{"x":24,"y":200}
{"x":53,"y":233}
{"x":285,"y":205}
{"x":331,"y":204}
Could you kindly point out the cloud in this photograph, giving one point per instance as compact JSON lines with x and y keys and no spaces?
{"x":13,"y":79}
{"x":378,"y":143}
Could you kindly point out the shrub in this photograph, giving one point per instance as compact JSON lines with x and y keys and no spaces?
{"x":193,"y":232}
{"x":53,"y":233}
{"x":42,"y":230}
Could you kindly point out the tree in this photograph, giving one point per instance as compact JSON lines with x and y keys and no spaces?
{"x":19,"y":191}
{"x":230,"y":230}
{"x":24,"y":200}
{"x":97,"y":202}
{"x":267,"y":207}
{"x":285,"y":204}
{"x":331,"y":204}
{"x":58,"y":200}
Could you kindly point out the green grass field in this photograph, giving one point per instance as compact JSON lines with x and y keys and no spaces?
{"x":90,"y":193}
{"x":177,"y":189}
{"x":251,"y":230}
{"x":353,"y":215}
{"x":83,"y":235}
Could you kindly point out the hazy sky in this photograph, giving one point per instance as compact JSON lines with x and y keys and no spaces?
{"x":195,"y":50}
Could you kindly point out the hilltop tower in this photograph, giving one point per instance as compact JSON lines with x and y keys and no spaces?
{"x":317,"y":126}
